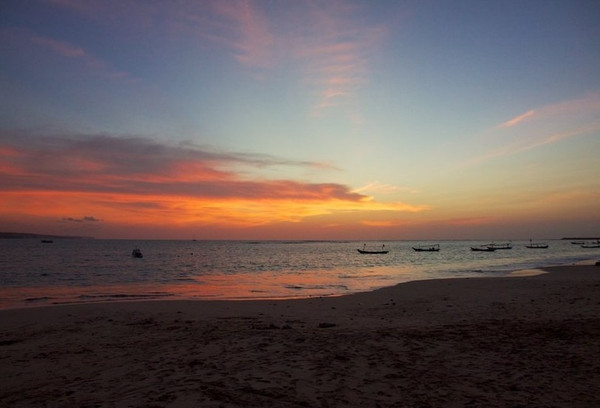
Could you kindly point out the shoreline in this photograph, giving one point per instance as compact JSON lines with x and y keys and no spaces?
{"x":494,"y":342}
{"x":32,"y":297}
{"x":99,"y":271}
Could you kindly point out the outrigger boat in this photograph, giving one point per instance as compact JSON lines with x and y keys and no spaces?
{"x":427,"y":248}
{"x":592,"y":244}
{"x":373,"y":251}
{"x":508,"y":245}
{"x":483,"y":248}
{"x":536,"y":245}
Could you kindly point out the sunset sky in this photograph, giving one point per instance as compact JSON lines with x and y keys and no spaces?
{"x":300,"y":119}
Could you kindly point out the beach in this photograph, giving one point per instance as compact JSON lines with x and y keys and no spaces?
{"x":473,"y":342}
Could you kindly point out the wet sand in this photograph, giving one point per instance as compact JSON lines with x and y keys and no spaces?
{"x":524,"y":341}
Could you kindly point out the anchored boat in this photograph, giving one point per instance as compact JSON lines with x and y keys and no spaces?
{"x":366,"y":250}
{"x":592,"y":244}
{"x":427,"y":248}
{"x":483,"y":248}
{"x":536,"y":245}
{"x":507,"y":245}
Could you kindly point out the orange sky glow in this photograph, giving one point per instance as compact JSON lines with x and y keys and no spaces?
{"x":341,"y":120}
{"x":178,"y":189}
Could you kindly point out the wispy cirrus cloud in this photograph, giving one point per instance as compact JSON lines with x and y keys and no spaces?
{"x":336,"y":54}
{"x":531,"y":143}
{"x":252,"y":42}
{"x":67,"y":50}
{"x":543,"y":126}
{"x":384,"y":188}
{"x":517,"y":119}
{"x":240,"y":26}
{"x":64,"y":49}
{"x":581,"y":109}
{"x":329,"y":43}
{"x":329,"y":40}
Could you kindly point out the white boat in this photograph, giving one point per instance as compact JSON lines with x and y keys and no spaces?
{"x":592,"y":244}
{"x":507,"y":245}
{"x":536,"y":245}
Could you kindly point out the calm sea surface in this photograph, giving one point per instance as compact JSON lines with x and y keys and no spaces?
{"x":33,"y":273}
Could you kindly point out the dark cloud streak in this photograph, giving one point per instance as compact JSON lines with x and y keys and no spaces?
{"x":137,"y":165}
{"x":82,"y":220}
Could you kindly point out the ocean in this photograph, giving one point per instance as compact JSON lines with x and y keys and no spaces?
{"x":33,"y":273}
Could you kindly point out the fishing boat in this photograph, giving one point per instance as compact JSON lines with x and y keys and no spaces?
{"x":366,"y":250}
{"x":507,"y":245}
{"x":578,"y":242}
{"x":427,"y":248}
{"x":136,"y":253}
{"x":536,"y":245}
{"x":592,"y":245}
{"x":47,"y":241}
{"x":483,"y":248}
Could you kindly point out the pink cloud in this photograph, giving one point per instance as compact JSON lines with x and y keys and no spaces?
{"x":586,"y":106}
{"x":253,"y":42}
{"x":545,"y":125}
{"x":239,"y":25}
{"x":329,"y":42}
{"x":336,"y":54}
{"x":137,"y":181}
{"x":107,"y":164}
{"x":518,"y":119}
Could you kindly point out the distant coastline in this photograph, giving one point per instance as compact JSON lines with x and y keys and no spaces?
{"x":25,"y":235}
{"x":580,"y":238}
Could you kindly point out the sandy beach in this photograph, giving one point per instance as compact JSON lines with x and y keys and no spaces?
{"x":524,"y":341}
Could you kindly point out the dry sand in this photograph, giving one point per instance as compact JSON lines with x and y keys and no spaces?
{"x":530,"y":341}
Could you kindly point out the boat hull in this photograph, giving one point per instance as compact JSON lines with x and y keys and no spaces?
{"x":363,"y":251}
{"x":484,"y":249}
{"x":427,"y":248}
{"x":500,"y":246}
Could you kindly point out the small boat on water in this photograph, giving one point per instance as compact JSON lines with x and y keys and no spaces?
{"x":136,"y":253}
{"x":507,"y":245}
{"x":578,"y":242}
{"x":427,"y":248}
{"x":366,"y":250}
{"x":592,"y":244}
{"x":47,"y":241}
{"x":483,"y":248}
{"x":536,"y":245}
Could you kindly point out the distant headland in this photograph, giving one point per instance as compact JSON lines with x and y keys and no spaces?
{"x":580,"y":238}
{"x":24,"y":235}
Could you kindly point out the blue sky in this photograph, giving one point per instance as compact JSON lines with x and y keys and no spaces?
{"x":413,"y":119}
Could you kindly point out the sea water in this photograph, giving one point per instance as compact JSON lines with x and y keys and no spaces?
{"x":92,"y":270}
